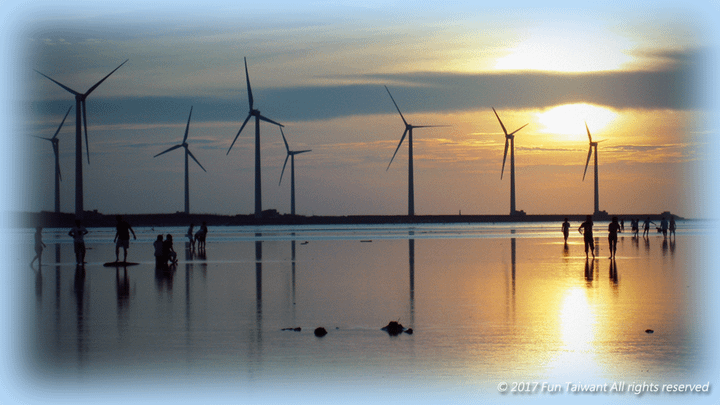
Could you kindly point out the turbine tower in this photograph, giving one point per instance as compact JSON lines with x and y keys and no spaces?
{"x":408,"y":132}
{"x":593,"y":145}
{"x":184,"y":144}
{"x":254,"y":113}
{"x":80,"y":106}
{"x":509,"y":139}
{"x":290,"y":154}
{"x":56,"y":150}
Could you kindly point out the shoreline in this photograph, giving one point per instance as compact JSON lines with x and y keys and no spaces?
{"x":94,"y":219}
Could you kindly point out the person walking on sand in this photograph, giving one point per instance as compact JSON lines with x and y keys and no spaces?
{"x":634,"y":225}
{"x":77,"y":233}
{"x":122,"y":238}
{"x":169,"y":251}
{"x":191,"y":236}
{"x":158,"y":245}
{"x":664,"y":226}
{"x":646,"y":226}
{"x":586,"y":231}
{"x":201,"y":235}
{"x":613,"y":230}
{"x":39,"y":245}
{"x":672,"y":226}
{"x":566,"y":229}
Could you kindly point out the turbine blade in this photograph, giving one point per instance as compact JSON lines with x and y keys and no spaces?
{"x":588,"y":131}
{"x":507,"y":144}
{"x":513,"y":133}
{"x":297,"y":152}
{"x":196,"y":161}
{"x":286,"y":144}
{"x":63,"y":121}
{"x":40,"y":137}
{"x":168,"y":150}
{"x":396,"y":106}
{"x":270,"y":121}
{"x":588,"y":162}
{"x":60,"y":84}
{"x":247,"y":78}
{"x":238,"y":134}
{"x":501,"y":124}
{"x":283,"y":169}
{"x":187,"y":128}
{"x":87,"y":93}
{"x":398,"y":147}
{"x":87,"y":145}
{"x":429,"y":126}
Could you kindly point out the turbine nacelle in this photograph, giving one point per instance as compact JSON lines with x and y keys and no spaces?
{"x":508,"y":137}
{"x":408,"y":127}
{"x":252,"y":113}
{"x":590,"y":149}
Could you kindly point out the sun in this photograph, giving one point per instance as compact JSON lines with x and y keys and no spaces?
{"x":568,"y":120}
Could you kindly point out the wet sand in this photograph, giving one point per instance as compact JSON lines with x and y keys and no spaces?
{"x":486,"y":304}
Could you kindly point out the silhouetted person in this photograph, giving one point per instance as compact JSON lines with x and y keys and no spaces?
{"x":191,"y":236}
{"x":672,"y":226}
{"x":664,"y":226}
{"x":566,"y":229}
{"x":613,"y":230}
{"x":586,"y":230}
{"x":39,"y":245}
{"x":622,"y":225}
{"x":122,"y":238}
{"x":77,"y":233}
{"x":168,"y":250}
{"x":158,"y":245}
{"x":646,"y":226}
{"x":635,"y":225}
{"x":201,"y":235}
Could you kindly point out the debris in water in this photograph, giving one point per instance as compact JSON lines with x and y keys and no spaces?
{"x":320,"y":332}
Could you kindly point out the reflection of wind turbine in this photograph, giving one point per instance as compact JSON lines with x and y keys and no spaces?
{"x":187,"y":153}
{"x":56,"y":150}
{"x":258,"y":117}
{"x":291,"y":155}
{"x":80,"y":107}
{"x":509,"y":138}
{"x":408,"y":132}
{"x":593,"y":145}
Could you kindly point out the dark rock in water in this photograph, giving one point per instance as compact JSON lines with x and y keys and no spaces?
{"x":409,"y":331}
{"x":320,"y":332}
{"x":649,"y":331}
{"x":394,"y":328}
{"x":292,"y":329}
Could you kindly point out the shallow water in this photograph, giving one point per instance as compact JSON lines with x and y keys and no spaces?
{"x":487,"y":303}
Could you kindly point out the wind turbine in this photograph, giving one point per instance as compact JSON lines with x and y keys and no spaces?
{"x":254,"y":113}
{"x":184,"y":144}
{"x":593,"y":145}
{"x":408,"y":132}
{"x":80,"y":106}
{"x":56,"y":150}
{"x":291,"y":155}
{"x":509,"y":139}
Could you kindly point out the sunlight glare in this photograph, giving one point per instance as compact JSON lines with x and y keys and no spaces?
{"x":569,"y":120}
{"x":569,"y":48}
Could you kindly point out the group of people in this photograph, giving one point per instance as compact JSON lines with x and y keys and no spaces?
{"x":164,"y":251}
{"x":198,"y":236}
{"x":615,"y":227}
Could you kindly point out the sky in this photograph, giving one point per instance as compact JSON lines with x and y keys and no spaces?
{"x":639,"y":74}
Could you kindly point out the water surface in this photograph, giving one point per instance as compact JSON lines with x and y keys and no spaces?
{"x":487,"y":303}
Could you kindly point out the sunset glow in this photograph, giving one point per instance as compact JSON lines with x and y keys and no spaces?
{"x":567,"y":121}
